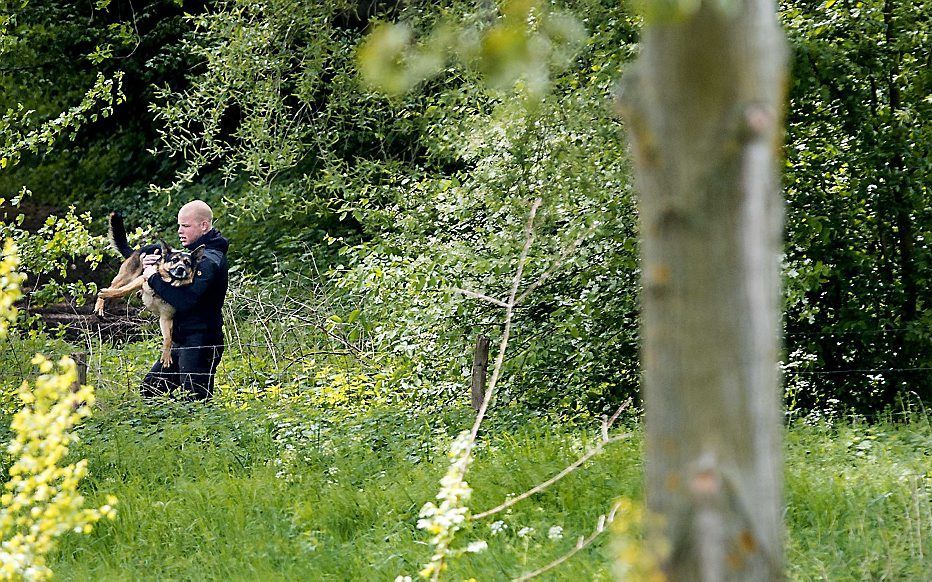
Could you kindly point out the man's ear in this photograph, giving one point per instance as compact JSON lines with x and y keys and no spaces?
{"x":198,"y":253}
{"x":164,"y":247}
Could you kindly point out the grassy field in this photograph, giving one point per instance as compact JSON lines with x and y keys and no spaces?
{"x":279,"y":490}
{"x":859,"y":501}
{"x":272,"y":487}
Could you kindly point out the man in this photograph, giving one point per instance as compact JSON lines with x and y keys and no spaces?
{"x":197,"y":333}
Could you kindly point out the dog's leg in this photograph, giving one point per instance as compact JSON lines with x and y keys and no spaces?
{"x":130,"y":270}
{"x":120,"y":280}
{"x":165,"y":324}
{"x":111,"y":292}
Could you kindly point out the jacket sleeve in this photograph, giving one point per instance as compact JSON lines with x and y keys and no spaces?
{"x":186,"y":297}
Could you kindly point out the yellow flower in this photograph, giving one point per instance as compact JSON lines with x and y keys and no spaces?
{"x":42,"y":500}
{"x":10,"y":281}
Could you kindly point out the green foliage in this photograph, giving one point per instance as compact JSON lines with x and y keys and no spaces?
{"x":523,"y":45}
{"x":391,"y":203}
{"x":307,"y":476}
{"x":661,"y":12}
{"x":49,"y":255}
{"x":16,"y":353}
{"x":435,"y":185}
{"x":254,"y":57}
{"x":357,"y":220}
{"x":296,"y":493}
{"x":17,"y":134}
{"x":861,"y":487}
{"x":466,"y":233}
{"x":19,"y":130}
{"x":98,"y":145}
{"x":858,"y":224}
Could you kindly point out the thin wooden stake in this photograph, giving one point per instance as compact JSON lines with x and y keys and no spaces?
{"x":80,"y":360}
{"x":480,"y":367}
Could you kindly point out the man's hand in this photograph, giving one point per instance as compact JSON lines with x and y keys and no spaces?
{"x":150,"y":262}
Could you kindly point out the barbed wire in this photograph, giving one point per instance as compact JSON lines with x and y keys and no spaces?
{"x":830,"y":332}
{"x":295,"y":357}
{"x":856,"y":371}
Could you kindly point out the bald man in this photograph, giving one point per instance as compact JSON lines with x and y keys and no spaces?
{"x":197,"y":333}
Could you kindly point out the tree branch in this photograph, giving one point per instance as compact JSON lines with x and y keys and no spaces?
{"x":476,"y":295}
{"x":606,"y":424}
{"x":558,"y":263}
{"x":509,"y":314}
{"x":580,"y":545}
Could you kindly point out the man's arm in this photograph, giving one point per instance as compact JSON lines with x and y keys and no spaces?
{"x":184,"y":298}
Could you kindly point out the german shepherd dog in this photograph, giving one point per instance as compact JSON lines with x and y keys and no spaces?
{"x":176,"y":268}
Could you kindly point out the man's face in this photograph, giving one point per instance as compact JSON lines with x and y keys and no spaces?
{"x":189,"y":228}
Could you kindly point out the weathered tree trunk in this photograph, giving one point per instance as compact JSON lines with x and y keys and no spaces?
{"x":704,"y":108}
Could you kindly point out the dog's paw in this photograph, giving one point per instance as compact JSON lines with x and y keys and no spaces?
{"x":107,"y":293}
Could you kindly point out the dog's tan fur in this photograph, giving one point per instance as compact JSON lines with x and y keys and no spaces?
{"x":129,"y":279}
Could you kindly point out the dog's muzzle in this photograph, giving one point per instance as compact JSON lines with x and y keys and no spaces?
{"x":178,"y":272}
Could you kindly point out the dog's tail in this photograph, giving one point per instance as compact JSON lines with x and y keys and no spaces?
{"x":117,"y":234}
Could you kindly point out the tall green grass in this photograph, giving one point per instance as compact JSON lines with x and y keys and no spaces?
{"x":271,"y":490}
{"x":260,"y":485}
{"x":265,"y":492}
{"x":859,"y":501}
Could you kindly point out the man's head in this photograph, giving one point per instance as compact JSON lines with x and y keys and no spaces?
{"x":195,"y":219}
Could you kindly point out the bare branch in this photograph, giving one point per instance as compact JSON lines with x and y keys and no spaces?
{"x":509,"y":314}
{"x":580,"y":545}
{"x":464,"y":447}
{"x":569,"y":469}
{"x":540,"y":487}
{"x":618,"y":412}
{"x":475,"y":295}
{"x":557,"y":263}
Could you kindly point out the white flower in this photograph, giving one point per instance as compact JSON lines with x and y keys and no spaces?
{"x":477,"y":546}
{"x":445,"y":519}
{"x":401,"y":578}
{"x":555,"y":533}
{"x":525,"y":531}
{"x":498,"y":527}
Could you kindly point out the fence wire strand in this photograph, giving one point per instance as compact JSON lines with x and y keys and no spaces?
{"x":275,"y":335}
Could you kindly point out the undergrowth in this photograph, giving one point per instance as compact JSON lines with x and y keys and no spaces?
{"x":262,"y":491}
{"x":265,"y":492}
{"x":280,"y":484}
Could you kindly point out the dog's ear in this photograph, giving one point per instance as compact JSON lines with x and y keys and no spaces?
{"x":198,"y":253}
{"x":163,"y":246}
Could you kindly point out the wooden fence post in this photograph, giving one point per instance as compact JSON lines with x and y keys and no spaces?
{"x":480,"y":366}
{"x":80,"y":360}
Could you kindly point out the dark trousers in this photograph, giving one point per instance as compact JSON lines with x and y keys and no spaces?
{"x":194,"y":363}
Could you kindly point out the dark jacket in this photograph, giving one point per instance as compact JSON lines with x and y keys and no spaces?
{"x":199,"y":306}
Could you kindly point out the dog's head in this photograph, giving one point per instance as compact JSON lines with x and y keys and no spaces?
{"x":179,"y":267}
